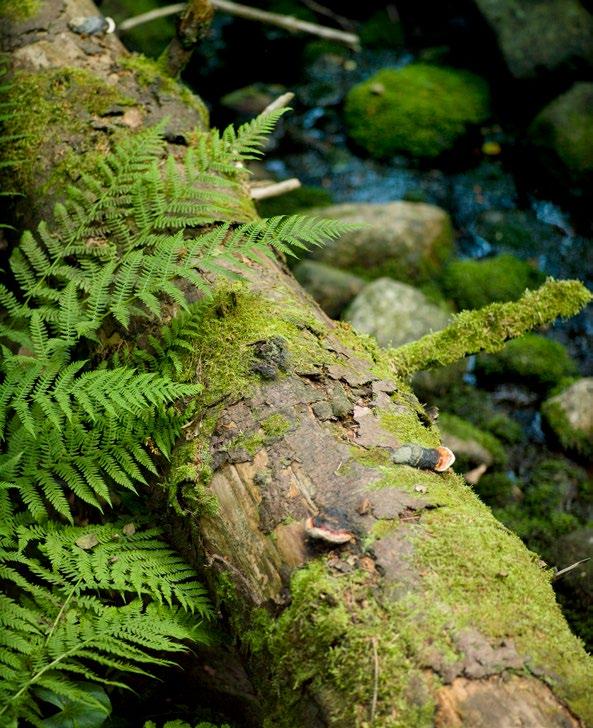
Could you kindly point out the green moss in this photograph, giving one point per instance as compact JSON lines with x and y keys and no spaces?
{"x":489,"y":328}
{"x":317,"y":48}
{"x":55,"y":110}
{"x":185,"y":482}
{"x":303,"y":198}
{"x":150,"y":72}
{"x":276,"y":426}
{"x":408,"y":427}
{"x":476,"y":283}
{"x":419,"y":109}
{"x":505,"y":428}
{"x":496,"y":489}
{"x":464,"y":430}
{"x":18,"y":10}
{"x":571,"y":439}
{"x":380,"y":31}
{"x":532,"y":359}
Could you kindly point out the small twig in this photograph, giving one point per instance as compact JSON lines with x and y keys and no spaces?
{"x":570,"y":568}
{"x":279,"y":103}
{"x":375,"y":680}
{"x":275,"y":190}
{"x":244,"y":11}
{"x":316,"y":7}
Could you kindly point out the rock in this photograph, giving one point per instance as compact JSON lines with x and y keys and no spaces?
{"x":252,"y":100}
{"x":517,"y":231}
{"x":545,"y":35}
{"x":333,"y":289}
{"x":394,"y":313}
{"x":531,"y":359}
{"x":404,"y":240}
{"x":300,"y":199}
{"x":562,"y":134}
{"x":476,"y":283}
{"x":420,"y":109}
{"x":570,"y":416}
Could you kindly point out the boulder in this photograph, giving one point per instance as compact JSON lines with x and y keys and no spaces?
{"x":531,"y":359}
{"x":476,"y":283}
{"x":570,"y":416}
{"x":419,"y":109}
{"x":407,"y":241}
{"x":562,"y":134}
{"x":394,"y":313}
{"x":333,"y":289}
{"x":540,"y":35}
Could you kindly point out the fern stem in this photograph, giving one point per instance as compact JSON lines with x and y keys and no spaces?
{"x":62,"y":608}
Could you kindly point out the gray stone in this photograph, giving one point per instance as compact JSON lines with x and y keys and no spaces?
{"x":562,"y":134}
{"x":570,"y":415}
{"x":394,"y":313}
{"x":333,"y":289}
{"x":406,"y":240}
{"x":541,"y":35}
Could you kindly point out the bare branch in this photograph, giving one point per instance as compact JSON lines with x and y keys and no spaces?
{"x":244,"y":11}
{"x":275,"y":190}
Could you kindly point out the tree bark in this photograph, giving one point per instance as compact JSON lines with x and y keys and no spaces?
{"x":432,"y":613}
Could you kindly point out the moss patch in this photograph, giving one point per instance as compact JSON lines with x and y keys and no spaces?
{"x":476,"y":283}
{"x":54,"y":109}
{"x":150,"y":72}
{"x":419,"y":109}
{"x":18,"y":10}
{"x":532,"y":359}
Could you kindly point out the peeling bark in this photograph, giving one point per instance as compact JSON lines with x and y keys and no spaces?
{"x":432,"y":613}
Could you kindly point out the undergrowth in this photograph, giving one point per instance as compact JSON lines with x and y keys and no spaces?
{"x":85,"y":600}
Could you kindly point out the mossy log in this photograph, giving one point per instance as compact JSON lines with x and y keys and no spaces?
{"x":432,"y":613}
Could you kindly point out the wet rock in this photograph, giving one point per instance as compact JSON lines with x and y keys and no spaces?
{"x":570,"y":415}
{"x":405,"y":240}
{"x":547,"y":35}
{"x":562,"y":134}
{"x":419,"y":109}
{"x":394,"y":313}
{"x":252,"y":100}
{"x":333,"y":289}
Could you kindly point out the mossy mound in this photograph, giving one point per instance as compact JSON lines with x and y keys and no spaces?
{"x":301,"y":199}
{"x":569,"y":415}
{"x":531,"y":359}
{"x":497,"y":489}
{"x":381,"y":31}
{"x":476,"y":283}
{"x":420,"y":109}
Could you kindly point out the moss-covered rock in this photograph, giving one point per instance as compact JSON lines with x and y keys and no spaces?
{"x":476,"y":283}
{"x":532,"y":359}
{"x":570,"y":416}
{"x":498,"y":490}
{"x":550,"y":35}
{"x":408,"y":241}
{"x":381,"y":30}
{"x":562,"y":134}
{"x":419,"y":109}
{"x":302,"y":198}
{"x":394,"y":313}
{"x":333,"y":289}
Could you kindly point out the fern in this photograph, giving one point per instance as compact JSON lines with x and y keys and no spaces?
{"x":82,"y":611}
{"x":85,"y":603}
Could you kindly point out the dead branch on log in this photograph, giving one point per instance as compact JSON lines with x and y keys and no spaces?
{"x":294,"y":25}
